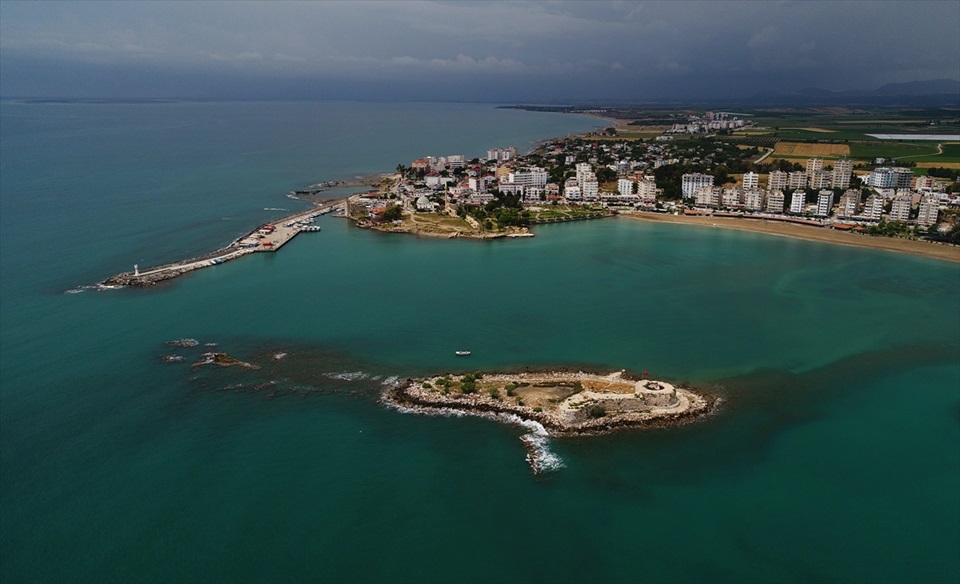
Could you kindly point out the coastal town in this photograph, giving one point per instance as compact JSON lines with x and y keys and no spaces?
{"x":504,"y":192}
{"x":710,"y":168}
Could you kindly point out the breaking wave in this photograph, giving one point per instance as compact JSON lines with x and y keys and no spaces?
{"x":347,"y":375}
{"x":536,"y":440}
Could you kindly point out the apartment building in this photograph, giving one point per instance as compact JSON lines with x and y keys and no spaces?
{"x":691,"y":182}
{"x":824,"y":203}
{"x":849,"y":203}
{"x":797,"y":180}
{"x":873,"y":208}
{"x":900,"y":207}
{"x":797,"y":201}
{"x":777,"y":181}
{"x":775,"y":201}
{"x":929,"y":210}
{"x":842,"y":169}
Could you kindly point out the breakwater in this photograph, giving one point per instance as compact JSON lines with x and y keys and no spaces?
{"x":268,"y":237}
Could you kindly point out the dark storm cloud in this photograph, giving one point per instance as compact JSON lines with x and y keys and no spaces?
{"x":470,"y":50}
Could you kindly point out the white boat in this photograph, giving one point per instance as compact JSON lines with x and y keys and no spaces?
{"x":461,"y":353}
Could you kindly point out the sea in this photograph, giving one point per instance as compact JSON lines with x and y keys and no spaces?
{"x":834,"y":455}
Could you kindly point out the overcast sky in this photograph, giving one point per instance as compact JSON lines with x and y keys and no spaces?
{"x":470,"y":50}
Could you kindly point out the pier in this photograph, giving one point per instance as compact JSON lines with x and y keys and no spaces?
{"x":268,"y":237}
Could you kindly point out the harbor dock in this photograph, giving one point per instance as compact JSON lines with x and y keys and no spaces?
{"x":268,"y":237}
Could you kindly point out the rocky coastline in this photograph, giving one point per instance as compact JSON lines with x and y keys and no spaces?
{"x":565,"y":403}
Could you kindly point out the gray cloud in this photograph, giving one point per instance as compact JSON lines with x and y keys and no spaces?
{"x":482,"y":50}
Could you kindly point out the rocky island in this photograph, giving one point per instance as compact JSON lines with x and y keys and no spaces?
{"x":564,"y":403}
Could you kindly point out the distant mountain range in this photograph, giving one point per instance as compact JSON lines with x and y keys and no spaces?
{"x":910,"y":88}
{"x":932,"y":92}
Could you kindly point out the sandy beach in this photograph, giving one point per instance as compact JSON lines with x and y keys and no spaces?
{"x":921,"y":248}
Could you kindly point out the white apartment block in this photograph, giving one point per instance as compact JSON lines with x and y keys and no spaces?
{"x":753,"y":199}
{"x":708,"y":196}
{"x":502,"y":154}
{"x":590,"y":188}
{"x":455,"y":161}
{"x":582,"y":169}
{"x":777,"y":181}
{"x":478,"y":184}
{"x":873,"y":209}
{"x":775,"y":202}
{"x":900,"y":207}
{"x":819,"y":180}
{"x":533,"y":195}
{"x":751,"y":180}
{"x":824,"y":203}
{"x":890,"y":178}
{"x":797,"y":200}
{"x":647,"y":188}
{"x":691,"y":182}
{"x":572,"y":192}
{"x":849,"y":203}
{"x":814,"y":166}
{"x":625,"y":186}
{"x":512,"y":189}
{"x":842,"y":169}
{"x":797,"y":180}
{"x":929,"y":210}
{"x":532,"y":177}
{"x":732,"y":198}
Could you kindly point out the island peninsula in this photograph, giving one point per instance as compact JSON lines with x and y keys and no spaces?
{"x":564,"y":403}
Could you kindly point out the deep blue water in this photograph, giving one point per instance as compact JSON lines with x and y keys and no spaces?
{"x":835,"y":456}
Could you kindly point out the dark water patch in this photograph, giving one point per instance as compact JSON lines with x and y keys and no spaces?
{"x":758,"y":409}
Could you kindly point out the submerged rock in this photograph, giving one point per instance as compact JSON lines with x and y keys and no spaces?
{"x":184,"y":343}
{"x":223,"y":360}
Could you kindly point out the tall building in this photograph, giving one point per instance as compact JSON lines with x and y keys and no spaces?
{"x":849,"y":203}
{"x":842,"y":169}
{"x":691,"y":182}
{"x":582,"y":169}
{"x":929,"y":210}
{"x":708,"y":197}
{"x":732,"y":198}
{"x":647,"y":188}
{"x":900,"y":207}
{"x":753,"y":199}
{"x":590,"y":188}
{"x":819,"y":180}
{"x":797,"y":180}
{"x":904,"y":178}
{"x":625,"y":186}
{"x":532,"y":177}
{"x":873,"y":209}
{"x":890,"y":178}
{"x":814,"y":166}
{"x":751,"y":180}
{"x":824,"y":203}
{"x":777,"y":181}
{"x":775,"y":202}
{"x":797,"y":201}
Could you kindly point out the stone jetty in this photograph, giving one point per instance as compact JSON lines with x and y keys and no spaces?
{"x":269,"y":237}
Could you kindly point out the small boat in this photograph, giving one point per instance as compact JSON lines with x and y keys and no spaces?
{"x":461,"y":353}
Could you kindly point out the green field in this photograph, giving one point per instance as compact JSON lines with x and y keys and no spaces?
{"x":916,"y":151}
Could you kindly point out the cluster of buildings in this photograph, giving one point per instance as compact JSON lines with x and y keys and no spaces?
{"x":820,"y":193}
{"x":709,"y":122}
{"x":507,"y":173}
{"x":901,"y":192}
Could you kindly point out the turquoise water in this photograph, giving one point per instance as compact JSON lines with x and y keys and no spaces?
{"x":835,"y":456}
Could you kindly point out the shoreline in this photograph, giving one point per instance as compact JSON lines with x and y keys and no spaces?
{"x":943,"y":252}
